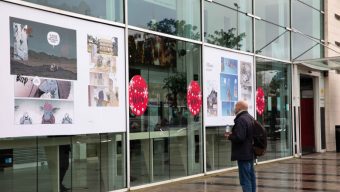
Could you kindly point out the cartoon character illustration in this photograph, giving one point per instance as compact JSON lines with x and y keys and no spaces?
{"x":49,"y":111}
{"x":20,"y":42}
{"x":67,"y":119}
{"x":54,"y":67}
{"x":25,"y":119}
{"x":245,"y":73}
{"x":212,"y":103}
{"x":100,"y":99}
{"x":53,"y":89}
{"x":49,"y":89}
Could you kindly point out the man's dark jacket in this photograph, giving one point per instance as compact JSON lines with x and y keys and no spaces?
{"x":242,"y":137}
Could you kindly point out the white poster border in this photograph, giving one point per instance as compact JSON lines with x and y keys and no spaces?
{"x":211,"y":67}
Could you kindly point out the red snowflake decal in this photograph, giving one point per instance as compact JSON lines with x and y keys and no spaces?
{"x":138,"y":95}
{"x":194,"y":97}
{"x":260,"y":102}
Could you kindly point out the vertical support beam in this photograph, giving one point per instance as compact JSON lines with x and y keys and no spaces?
{"x":296,"y":106}
{"x":127,"y":136}
{"x":204,"y":136}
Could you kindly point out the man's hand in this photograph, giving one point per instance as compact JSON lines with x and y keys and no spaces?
{"x":227,"y":134}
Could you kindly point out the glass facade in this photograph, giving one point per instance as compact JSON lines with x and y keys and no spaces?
{"x":166,"y":142}
{"x":274,"y":78}
{"x":109,"y":9}
{"x":277,"y":12}
{"x":84,"y":162}
{"x":218,"y":149}
{"x":181,"y":18}
{"x":272,"y":37}
{"x":227,"y":27}
{"x":272,"y":41}
{"x":316,"y":4}
{"x":310,"y":22}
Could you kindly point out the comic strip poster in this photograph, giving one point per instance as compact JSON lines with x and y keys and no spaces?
{"x":234,"y":82}
{"x":57,"y":77}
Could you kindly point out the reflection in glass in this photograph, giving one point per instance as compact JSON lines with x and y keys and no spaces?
{"x":310,"y":22}
{"x":305,"y":48}
{"x":166,"y":141}
{"x":110,"y":9}
{"x":86,"y":163}
{"x":218,"y":149}
{"x":241,"y":5}
{"x":53,"y":163}
{"x":180,"y":18}
{"x":274,"y":11}
{"x":317,"y":4}
{"x":18,"y":165}
{"x":272,"y":41}
{"x":306,"y":19}
{"x":226,"y":27}
{"x":54,"y":157}
{"x":112,"y":151}
{"x":275,"y":79}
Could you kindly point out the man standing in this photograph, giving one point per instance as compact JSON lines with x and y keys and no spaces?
{"x":241,"y":138}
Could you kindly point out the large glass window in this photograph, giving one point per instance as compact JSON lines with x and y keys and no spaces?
{"x":166,"y":141}
{"x":309,"y":22}
{"x":98,"y":162}
{"x":18,"y":165}
{"x":218,"y":149}
{"x":79,"y":163}
{"x":317,"y":4}
{"x":274,"y":78}
{"x":174,"y":17}
{"x":54,"y":163}
{"x":241,"y":5}
{"x":276,"y":11}
{"x":272,"y":41}
{"x":272,"y":38}
{"x":226,"y":26}
{"x":109,"y":9}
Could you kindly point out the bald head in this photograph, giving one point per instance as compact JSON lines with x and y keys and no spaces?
{"x":241,"y":106}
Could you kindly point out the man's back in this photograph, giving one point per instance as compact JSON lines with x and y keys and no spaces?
{"x":242,"y":137}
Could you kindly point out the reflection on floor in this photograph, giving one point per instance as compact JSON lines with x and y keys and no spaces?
{"x":314,"y":172}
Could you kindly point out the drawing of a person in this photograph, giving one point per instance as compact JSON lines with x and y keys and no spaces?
{"x":25,"y":119}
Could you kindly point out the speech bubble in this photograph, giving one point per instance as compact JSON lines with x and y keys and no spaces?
{"x":53,"y":38}
{"x":36,"y":81}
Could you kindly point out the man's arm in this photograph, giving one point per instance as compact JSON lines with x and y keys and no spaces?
{"x":239,"y":133}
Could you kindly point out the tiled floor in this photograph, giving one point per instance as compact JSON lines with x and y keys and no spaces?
{"x":315,"y":172}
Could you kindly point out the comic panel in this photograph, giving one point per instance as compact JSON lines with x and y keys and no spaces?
{"x":42,"y":88}
{"x":31,"y":111}
{"x":42,"y":50}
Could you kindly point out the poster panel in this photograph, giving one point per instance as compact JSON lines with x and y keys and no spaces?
{"x":228,"y":78}
{"x":57,"y":77}
{"x":103,"y":88}
{"x":38,"y":49}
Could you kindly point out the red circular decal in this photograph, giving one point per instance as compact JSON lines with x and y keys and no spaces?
{"x":194,"y":97}
{"x":260,"y":102}
{"x":138,"y":95}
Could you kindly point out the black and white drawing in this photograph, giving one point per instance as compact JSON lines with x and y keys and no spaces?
{"x":246,"y":80}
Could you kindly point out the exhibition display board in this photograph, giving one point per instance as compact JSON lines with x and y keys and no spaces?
{"x":228,"y":77}
{"x":59,"y":75}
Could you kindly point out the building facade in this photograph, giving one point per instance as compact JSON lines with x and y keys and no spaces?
{"x":332,"y":37}
{"x":192,"y":60}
